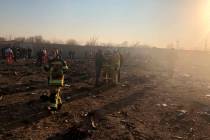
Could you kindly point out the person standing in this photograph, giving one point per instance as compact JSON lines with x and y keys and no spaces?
{"x":116,"y":63}
{"x":15,"y":53}
{"x":44,"y":58}
{"x":120,"y":64}
{"x":55,"y":68}
{"x":9,"y":56}
{"x":29,"y":53}
{"x":99,"y":59}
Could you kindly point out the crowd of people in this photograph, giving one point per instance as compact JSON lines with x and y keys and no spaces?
{"x":107,"y":69}
{"x":108,"y":66}
{"x":14,"y":53}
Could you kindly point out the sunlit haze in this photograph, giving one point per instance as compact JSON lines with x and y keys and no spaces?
{"x":152,"y":22}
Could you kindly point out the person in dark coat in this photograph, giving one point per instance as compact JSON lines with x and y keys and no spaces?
{"x":99,"y":59}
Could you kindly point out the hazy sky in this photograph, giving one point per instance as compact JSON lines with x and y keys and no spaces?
{"x":154,"y":22}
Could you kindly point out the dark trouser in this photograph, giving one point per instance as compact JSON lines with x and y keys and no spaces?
{"x":55,"y":97}
{"x":98,"y":74}
{"x":119,"y":75}
{"x":15,"y":58}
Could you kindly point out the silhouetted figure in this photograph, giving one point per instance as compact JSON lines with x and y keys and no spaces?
{"x":99,"y":59}
{"x":29,"y":53}
{"x":71,"y":54}
{"x":15,"y":54}
{"x":116,"y":66}
{"x":9,"y":56}
{"x":39,"y":57}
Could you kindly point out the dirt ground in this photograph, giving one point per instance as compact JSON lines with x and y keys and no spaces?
{"x":153,"y":101}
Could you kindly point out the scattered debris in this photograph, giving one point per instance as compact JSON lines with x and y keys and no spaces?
{"x":19,"y":83}
{"x":181,"y":113}
{"x":186,"y":75}
{"x":158,"y":105}
{"x":15,"y":73}
{"x":93,"y":124}
{"x":84,"y":114}
{"x":67,"y":85}
{"x":204,"y":113}
{"x":68,"y":98}
{"x":148,"y":86}
{"x":164,"y":105}
{"x":177,"y":137}
{"x":191,"y":130}
{"x":125,"y":84}
{"x":94,"y":96}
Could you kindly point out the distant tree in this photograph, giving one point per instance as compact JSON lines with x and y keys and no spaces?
{"x":72,"y":42}
{"x":124,"y":44}
{"x":36,"y":39}
{"x":57,"y":41}
{"x":29,"y":40}
{"x":9,"y":38}
{"x":136,"y":44}
{"x":47,"y":42}
{"x":2,"y":39}
{"x":92,"y":42}
{"x":107,"y":44}
{"x":19,"y":39}
{"x":170,"y":46}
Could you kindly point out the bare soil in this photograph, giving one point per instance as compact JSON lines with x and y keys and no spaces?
{"x":150,"y":103}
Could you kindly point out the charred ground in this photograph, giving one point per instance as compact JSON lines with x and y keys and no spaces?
{"x":159,"y":98}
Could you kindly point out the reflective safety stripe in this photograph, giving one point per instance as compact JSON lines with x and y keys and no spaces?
{"x":56,"y":82}
{"x":65,"y":67}
{"x":53,"y":105}
{"x":57,"y":63}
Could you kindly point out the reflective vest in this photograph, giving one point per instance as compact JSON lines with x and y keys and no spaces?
{"x":56,"y":75}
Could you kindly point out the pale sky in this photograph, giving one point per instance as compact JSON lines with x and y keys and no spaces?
{"x":153,"y":22}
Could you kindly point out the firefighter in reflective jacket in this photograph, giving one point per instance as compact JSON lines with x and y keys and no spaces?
{"x":55,"y":68}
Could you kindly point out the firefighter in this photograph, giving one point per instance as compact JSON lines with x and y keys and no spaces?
{"x":15,"y":54}
{"x":55,"y":69}
{"x":116,"y":64}
{"x":108,"y":68}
